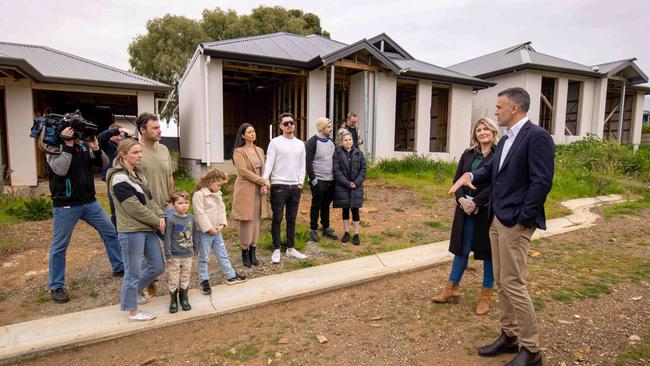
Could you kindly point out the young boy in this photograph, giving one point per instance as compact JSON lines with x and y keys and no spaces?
{"x":180,"y":245}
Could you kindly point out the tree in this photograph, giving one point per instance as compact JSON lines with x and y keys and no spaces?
{"x":163,"y":52}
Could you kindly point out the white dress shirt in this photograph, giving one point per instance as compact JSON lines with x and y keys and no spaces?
{"x":512,"y":133}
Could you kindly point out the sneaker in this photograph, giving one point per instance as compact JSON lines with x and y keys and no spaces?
{"x":205,"y":287}
{"x":142,"y":299}
{"x":235,"y":280}
{"x":141,"y":316}
{"x":59,"y":296}
{"x":313,"y":236}
{"x":292,"y":252}
{"x":275,"y":257}
{"x":119,"y":273}
{"x":356,"y":240}
{"x":329,"y":234}
{"x":345,"y":238}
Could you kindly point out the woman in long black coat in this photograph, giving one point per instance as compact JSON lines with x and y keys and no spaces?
{"x":470,"y":228}
{"x":349,"y":166}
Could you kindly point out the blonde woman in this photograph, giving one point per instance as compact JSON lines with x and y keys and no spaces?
{"x":470,"y":228}
{"x":138,"y":219}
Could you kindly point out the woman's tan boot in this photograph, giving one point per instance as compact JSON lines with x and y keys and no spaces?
{"x":450,"y":293}
{"x":483,"y":306}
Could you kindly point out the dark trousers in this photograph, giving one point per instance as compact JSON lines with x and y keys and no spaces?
{"x":355,"y":214}
{"x":322,"y":195}
{"x":284,"y":195}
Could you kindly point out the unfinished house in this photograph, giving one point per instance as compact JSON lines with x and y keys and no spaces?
{"x":35,"y":80}
{"x":404,"y":105}
{"x":568,"y":99}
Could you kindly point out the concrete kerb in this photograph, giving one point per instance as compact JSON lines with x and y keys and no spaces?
{"x":28,"y":339}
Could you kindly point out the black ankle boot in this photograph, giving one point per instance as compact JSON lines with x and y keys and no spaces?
{"x":173,"y":305}
{"x":503,"y":344}
{"x":245,"y":258}
{"x":251,"y":255}
{"x":526,"y":358}
{"x":185,"y":303}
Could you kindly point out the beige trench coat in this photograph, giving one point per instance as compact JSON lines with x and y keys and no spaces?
{"x":243,"y":199}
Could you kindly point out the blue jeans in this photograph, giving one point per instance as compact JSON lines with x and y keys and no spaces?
{"x":460,"y":261}
{"x":143,"y":262}
{"x":214,"y":242}
{"x":65,"y":219}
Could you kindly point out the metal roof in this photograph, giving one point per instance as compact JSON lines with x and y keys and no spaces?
{"x":521,"y":56}
{"x":628,"y":68}
{"x":313,"y":51}
{"x":47,"y":65}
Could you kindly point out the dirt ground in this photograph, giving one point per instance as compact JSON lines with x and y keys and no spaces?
{"x":393,"y":217}
{"x":392,"y":321}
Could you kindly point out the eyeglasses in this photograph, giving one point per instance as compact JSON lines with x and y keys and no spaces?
{"x":287,"y":123}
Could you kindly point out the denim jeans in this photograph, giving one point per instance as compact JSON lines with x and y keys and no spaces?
{"x":143,"y":262}
{"x":65,"y":219}
{"x":322,"y":195}
{"x":460,"y":261}
{"x":284,"y":195}
{"x":214,"y":242}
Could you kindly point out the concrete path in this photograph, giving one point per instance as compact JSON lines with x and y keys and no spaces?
{"x":30,"y":338}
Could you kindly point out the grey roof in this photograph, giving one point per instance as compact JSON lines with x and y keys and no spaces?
{"x":521,"y":56}
{"x":48,"y":65}
{"x":313,"y":51}
{"x":627,"y":67}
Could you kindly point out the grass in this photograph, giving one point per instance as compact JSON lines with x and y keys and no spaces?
{"x":637,"y":354}
{"x":434,"y":224}
{"x":235,"y":353}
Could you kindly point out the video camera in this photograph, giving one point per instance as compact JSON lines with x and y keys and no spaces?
{"x":48,"y":128}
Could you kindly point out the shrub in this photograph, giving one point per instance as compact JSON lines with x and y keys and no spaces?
{"x":32,"y":209}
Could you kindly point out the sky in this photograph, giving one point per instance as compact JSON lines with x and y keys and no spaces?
{"x":440,"y":32}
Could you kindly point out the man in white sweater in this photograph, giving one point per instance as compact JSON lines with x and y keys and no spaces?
{"x":285,"y":166}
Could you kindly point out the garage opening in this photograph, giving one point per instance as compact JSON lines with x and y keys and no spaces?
{"x":439,"y":132}
{"x":405,"y":115}
{"x":612,"y":113}
{"x":572,"y":107}
{"x":546,"y":104}
{"x":257,"y":95}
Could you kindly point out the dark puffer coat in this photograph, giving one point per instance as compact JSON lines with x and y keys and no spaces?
{"x":348,"y":167}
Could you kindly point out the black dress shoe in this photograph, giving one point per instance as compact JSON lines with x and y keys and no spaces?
{"x":526,"y":358}
{"x":503,"y":344}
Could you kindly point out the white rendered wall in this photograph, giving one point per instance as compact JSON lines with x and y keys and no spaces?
{"x":460,"y":119}
{"x":20,"y":116}
{"x":386,"y":100}
{"x":316,"y":99}
{"x":559,"y":109}
{"x":423,"y":116}
{"x":637,"y":117}
{"x":600,"y":99}
{"x":215,"y":116}
{"x":191,"y":112}
{"x":146,"y":102}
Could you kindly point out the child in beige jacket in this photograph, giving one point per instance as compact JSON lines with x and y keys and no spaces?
{"x":210,"y":216}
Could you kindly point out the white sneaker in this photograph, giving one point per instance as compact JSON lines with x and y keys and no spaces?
{"x":275,"y":257}
{"x":142,"y":300}
{"x":141,"y":316}
{"x":292,"y":252}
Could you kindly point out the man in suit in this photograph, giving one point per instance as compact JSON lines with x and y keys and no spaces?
{"x":521,"y":175}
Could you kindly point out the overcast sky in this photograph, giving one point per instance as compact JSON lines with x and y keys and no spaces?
{"x":440,"y":32}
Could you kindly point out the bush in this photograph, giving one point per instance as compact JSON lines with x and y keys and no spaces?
{"x":32,"y":209}
{"x":415,"y":166}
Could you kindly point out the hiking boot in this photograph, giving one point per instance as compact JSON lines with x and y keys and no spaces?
{"x":205,"y":287}
{"x":237,"y":279}
{"x":173,"y":305}
{"x":60,"y":296}
{"x":356,"y":240}
{"x":329,"y":234}
{"x":313,"y":236}
{"x":345,"y":238}
{"x":119,"y":273}
{"x":245,"y":258}
{"x":251,"y":255}
{"x":185,"y":303}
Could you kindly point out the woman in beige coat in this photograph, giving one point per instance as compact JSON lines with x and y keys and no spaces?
{"x":247,"y":202}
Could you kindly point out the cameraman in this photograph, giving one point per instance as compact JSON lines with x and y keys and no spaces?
{"x":108,"y":140}
{"x":72,"y":186}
